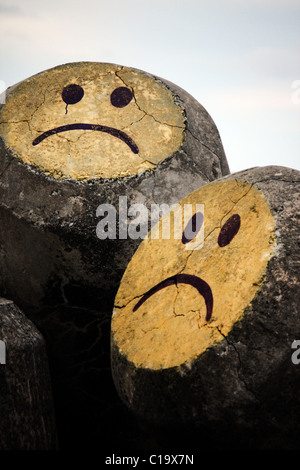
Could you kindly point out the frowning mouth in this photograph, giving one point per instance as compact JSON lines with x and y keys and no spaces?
{"x":93,"y":127}
{"x":194,"y":281}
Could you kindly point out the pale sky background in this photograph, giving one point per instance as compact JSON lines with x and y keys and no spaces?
{"x":239,"y":58}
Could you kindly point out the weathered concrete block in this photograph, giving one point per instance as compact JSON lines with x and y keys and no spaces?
{"x":27,"y":419}
{"x":204,"y":336}
{"x":72,"y":139}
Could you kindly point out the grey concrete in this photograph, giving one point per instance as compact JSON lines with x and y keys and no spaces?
{"x":244,"y":391}
{"x":27,"y":419}
{"x":65,"y":279}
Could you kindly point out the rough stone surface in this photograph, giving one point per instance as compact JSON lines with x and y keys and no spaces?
{"x":175,"y":324}
{"x":53,"y":265}
{"x":243,"y":390}
{"x":26,"y":407}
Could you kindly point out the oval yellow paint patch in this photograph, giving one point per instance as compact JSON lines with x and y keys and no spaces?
{"x":176,"y":300}
{"x":92,"y":120}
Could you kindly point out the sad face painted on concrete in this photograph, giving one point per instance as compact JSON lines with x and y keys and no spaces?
{"x":73,"y":138}
{"x":204,"y":336}
{"x":92,"y":120}
{"x":174,"y":303}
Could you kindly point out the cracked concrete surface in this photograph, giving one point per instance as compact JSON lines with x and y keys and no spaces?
{"x":52,"y":263}
{"x":26,"y":395}
{"x":152,"y":120}
{"x":177,"y":313}
{"x":244,"y":380}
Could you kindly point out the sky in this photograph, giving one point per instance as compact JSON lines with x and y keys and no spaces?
{"x":239,"y":58}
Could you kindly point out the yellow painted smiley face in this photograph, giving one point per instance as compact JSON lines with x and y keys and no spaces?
{"x":92,"y":120}
{"x":174,"y":302}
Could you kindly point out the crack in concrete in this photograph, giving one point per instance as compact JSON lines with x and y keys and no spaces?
{"x":208,"y":235}
{"x":241,"y":378}
{"x":6,"y":168}
{"x":28,"y":121}
{"x":40,"y":105}
{"x":192,"y":251}
{"x":32,"y":130}
{"x":204,"y":145}
{"x":18,"y":122}
{"x":142,"y":110}
{"x":174,"y":301}
{"x":276,"y":179}
{"x":236,"y":202}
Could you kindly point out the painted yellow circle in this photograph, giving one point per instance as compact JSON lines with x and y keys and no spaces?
{"x":95,"y":136}
{"x":171,"y":327}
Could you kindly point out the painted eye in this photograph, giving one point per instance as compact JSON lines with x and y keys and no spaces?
{"x":121,"y":97}
{"x":229,"y":230}
{"x":71,"y":94}
{"x":192,"y":228}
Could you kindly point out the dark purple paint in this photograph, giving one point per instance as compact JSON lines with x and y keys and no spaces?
{"x":121,"y":97}
{"x":93,"y":127}
{"x":192,"y":227}
{"x":194,"y":281}
{"x":229,"y":230}
{"x":72,"y":94}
